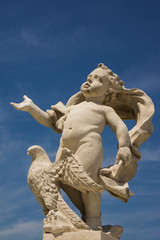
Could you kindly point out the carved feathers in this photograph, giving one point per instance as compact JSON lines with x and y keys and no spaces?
{"x":72,"y":173}
{"x":43,"y":178}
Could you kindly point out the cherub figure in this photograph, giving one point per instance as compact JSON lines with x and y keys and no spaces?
{"x":81,"y":122}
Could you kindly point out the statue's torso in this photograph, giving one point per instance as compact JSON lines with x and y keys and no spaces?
{"x":84,"y":122}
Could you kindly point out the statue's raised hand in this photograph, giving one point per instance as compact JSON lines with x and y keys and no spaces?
{"x":23,"y":106}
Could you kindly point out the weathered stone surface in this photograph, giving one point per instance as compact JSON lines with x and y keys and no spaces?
{"x":80,"y":235}
{"x":109,"y":233}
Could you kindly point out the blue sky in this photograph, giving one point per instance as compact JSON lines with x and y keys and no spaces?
{"x":47,"y":48}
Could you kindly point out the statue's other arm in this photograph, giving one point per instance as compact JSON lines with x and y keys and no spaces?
{"x":38,"y":114}
{"x":121,"y":131}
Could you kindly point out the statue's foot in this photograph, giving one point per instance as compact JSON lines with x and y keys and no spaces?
{"x":94,"y":223}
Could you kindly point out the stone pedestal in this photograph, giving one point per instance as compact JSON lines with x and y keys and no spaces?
{"x":79,"y":235}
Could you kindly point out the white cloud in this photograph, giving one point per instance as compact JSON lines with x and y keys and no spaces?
{"x":29,"y":229}
{"x":145,"y":193}
{"x":131,"y":216}
{"x":8,"y":145}
{"x":9,"y":201}
{"x":151,"y":154}
{"x":147,"y":233}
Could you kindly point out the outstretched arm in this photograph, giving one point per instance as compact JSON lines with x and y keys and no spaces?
{"x":121,"y":131}
{"x":38,"y":114}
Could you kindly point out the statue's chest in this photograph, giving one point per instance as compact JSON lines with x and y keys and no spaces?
{"x":86,"y":113}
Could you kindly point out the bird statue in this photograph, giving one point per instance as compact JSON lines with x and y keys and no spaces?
{"x":43,"y":179}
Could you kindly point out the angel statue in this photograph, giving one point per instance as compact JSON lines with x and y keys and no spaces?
{"x":103,"y":100}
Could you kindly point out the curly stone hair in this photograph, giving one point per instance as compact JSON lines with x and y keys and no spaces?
{"x":116,"y":85}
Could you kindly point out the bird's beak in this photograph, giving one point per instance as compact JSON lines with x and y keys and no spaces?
{"x":27,"y":152}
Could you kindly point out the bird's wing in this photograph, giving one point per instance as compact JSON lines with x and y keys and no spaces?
{"x":43,"y":205}
{"x":52,"y":200}
{"x":49,"y":191}
{"x":68,"y":170}
{"x":70,"y":214}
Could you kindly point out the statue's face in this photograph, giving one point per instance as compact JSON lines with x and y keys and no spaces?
{"x":97,"y":84}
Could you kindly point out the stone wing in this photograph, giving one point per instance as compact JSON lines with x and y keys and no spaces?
{"x":68,"y":170}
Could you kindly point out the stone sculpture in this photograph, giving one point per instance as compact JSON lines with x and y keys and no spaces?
{"x":103,"y":100}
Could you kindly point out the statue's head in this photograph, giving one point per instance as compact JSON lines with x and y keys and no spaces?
{"x":101,"y":83}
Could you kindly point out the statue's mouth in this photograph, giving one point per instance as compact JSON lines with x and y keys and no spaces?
{"x":86,"y":85}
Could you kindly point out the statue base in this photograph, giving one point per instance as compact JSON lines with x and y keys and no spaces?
{"x":113,"y":233}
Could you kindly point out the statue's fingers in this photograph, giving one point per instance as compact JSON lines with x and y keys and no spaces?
{"x":18,"y":106}
{"x":14,"y":104}
{"x":25,"y":97}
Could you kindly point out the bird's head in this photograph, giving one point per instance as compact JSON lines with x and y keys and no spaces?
{"x":37,"y":153}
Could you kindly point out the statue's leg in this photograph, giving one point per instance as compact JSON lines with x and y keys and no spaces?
{"x":92,"y":203}
{"x":90,"y":155}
